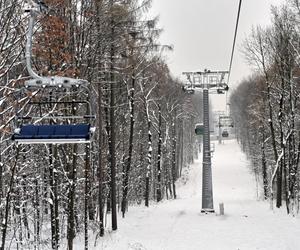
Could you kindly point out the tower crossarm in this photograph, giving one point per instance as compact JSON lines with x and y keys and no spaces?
{"x":206,"y":79}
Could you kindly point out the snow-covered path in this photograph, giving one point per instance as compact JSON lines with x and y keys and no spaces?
{"x":179,"y":224}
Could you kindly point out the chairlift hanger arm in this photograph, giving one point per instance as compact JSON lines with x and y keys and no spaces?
{"x":39,"y":7}
{"x":34,"y":11}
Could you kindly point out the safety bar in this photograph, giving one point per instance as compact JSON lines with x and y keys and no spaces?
{"x":56,"y":117}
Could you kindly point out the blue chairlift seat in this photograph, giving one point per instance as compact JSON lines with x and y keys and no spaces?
{"x":53,"y":134}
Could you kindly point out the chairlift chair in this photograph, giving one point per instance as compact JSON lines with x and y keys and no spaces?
{"x":225,"y":133}
{"x":188,"y":89}
{"x":53,"y":127}
{"x":199,"y":129}
{"x":226,"y":121}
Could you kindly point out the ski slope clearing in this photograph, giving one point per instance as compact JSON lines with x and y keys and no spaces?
{"x":179,"y":225}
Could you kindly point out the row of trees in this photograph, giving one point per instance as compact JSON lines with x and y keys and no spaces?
{"x":266,"y":106}
{"x":144,"y":122}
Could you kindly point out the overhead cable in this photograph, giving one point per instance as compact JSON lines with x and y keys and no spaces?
{"x":234,"y":39}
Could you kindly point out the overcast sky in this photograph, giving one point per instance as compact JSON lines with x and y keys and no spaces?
{"x":202,"y":34}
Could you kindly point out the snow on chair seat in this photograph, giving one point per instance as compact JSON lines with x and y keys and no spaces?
{"x":36,"y":134}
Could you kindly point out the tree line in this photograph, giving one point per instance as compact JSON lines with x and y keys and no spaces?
{"x":266,"y":107}
{"x":51,"y":194}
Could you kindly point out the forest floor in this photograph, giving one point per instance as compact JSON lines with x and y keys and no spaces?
{"x":248,"y":222}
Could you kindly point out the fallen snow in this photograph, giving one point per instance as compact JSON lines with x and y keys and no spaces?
{"x":248,"y":223}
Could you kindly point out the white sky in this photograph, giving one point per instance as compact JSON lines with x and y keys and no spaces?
{"x":202,"y":34}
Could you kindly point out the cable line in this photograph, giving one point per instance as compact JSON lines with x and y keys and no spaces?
{"x":234,"y":39}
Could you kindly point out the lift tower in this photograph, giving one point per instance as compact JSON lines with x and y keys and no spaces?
{"x":209,"y":82}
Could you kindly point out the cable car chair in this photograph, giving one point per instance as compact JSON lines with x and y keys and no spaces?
{"x":226,"y":121}
{"x":225,"y":133}
{"x":53,"y":126}
{"x":199,"y":129}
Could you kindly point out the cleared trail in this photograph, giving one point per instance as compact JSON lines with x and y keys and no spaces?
{"x":179,"y":225}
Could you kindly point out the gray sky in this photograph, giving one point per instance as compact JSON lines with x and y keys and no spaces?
{"x":202,"y":34}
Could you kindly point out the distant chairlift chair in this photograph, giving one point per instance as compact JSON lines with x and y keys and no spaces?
{"x":225,"y":133}
{"x":58,"y":129}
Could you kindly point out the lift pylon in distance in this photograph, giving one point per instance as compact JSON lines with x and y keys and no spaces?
{"x":208,"y":82}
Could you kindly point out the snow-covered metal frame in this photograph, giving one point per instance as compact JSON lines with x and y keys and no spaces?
{"x":212,"y":80}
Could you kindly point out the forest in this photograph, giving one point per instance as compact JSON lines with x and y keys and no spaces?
{"x":266,"y":107}
{"x":144,"y":122}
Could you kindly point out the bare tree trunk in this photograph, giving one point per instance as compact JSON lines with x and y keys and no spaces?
{"x":159,"y":157}
{"x":273,"y":138}
{"x":181,"y":148}
{"x":52,"y":195}
{"x":149,"y":159}
{"x":24,"y":208}
{"x":130,"y":149}
{"x":100,"y":167}
{"x":279,"y":172}
{"x":71,"y":200}
{"x":285,"y":187}
{"x":37,"y":221}
{"x":173,"y":166}
{"x":55,"y":176}
{"x":113,"y":158}
{"x":4,"y":222}
{"x":86,"y":195}
{"x":18,"y":215}
{"x":1,"y":180}
{"x":264,"y":168}
{"x":100,"y":123}
{"x":112,"y":141}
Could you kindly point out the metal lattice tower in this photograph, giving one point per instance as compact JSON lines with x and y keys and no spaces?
{"x":208,"y":82}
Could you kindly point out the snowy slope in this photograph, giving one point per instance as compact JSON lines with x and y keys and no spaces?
{"x":178,"y":224}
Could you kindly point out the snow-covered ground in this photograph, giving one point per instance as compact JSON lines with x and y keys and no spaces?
{"x":248,"y":223}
